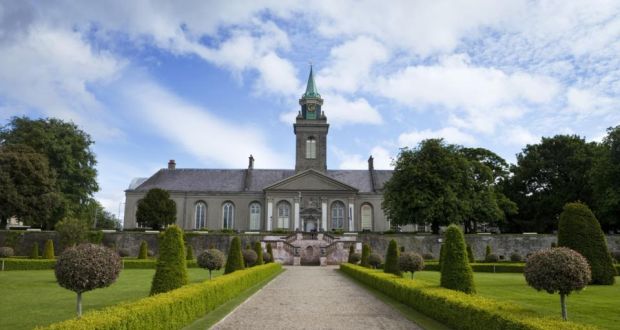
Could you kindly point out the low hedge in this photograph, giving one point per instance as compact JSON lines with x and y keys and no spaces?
{"x":484,"y":267}
{"x":455,"y":309}
{"x":174,"y":309}
{"x":44,"y":264}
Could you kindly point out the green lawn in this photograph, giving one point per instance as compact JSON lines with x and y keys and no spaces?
{"x":597,"y":304}
{"x":31,"y":298}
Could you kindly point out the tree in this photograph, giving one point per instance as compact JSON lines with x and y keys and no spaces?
{"x":144,"y":253}
{"x":351,"y":252}
{"x":354,"y":258}
{"x":85,"y":268}
{"x":34,"y":254}
{"x":171,"y":270}
{"x":249,"y":257}
{"x":391,"y":259}
{"x":97,"y":217}
{"x":559,"y":270}
{"x":579,"y":230}
{"x":71,"y":232}
{"x":211,"y":259}
{"x":410,"y":262}
{"x":48,"y":250}
{"x":67,"y":149}
{"x":259,"y":253}
{"x":190,"y":253}
{"x":235,"y":257}
{"x":27,"y":187}
{"x":456,"y":273}
{"x":270,"y":252}
{"x":156,"y":209}
{"x":470,"y":254}
{"x":365,"y":255}
{"x":375,"y":260}
{"x":604,"y":178}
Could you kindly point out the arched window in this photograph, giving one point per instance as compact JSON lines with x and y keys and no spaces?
{"x":228,"y":215}
{"x":284,"y":215}
{"x":200,"y":215}
{"x":311,"y":148}
{"x":366,"y":217}
{"x":254,"y":216}
{"x":337,"y":215}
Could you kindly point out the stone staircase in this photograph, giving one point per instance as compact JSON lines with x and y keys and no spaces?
{"x":302,"y":249}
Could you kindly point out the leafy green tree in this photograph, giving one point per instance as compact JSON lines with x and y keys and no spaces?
{"x":604,"y":180}
{"x":391,"y":259}
{"x":259,"y":253}
{"x":67,"y":149}
{"x":580,"y":231}
{"x":456,"y":273}
{"x":156,"y":209}
{"x":234,"y":261}
{"x":97,"y":217}
{"x":365,"y":255}
{"x":211,"y":259}
{"x":410,"y":262}
{"x":71,"y":232}
{"x":171,"y":270}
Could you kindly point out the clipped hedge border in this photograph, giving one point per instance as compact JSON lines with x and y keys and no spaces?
{"x":174,"y":309}
{"x":484,"y":267}
{"x":456,"y":309}
{"x":45,"y":264}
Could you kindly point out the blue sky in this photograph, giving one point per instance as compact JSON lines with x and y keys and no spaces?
{"x":209,"y":82}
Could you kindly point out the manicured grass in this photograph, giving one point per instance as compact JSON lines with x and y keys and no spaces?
{"x":32,"y":298}
{"x":597,"y":305}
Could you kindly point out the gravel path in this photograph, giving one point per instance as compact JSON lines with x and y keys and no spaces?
{"x":314,"y":298}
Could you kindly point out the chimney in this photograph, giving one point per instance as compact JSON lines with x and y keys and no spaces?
{"x":371,"y":163}
{"x":172,"y":165}
{"x":251,"y":163}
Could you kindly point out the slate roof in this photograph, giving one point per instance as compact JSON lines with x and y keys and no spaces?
{"x":233,"y":180}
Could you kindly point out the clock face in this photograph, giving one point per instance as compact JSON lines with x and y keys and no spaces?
{"x":311,"y":107}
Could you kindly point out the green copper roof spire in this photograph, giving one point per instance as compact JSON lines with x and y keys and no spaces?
{"x":311,"y":91}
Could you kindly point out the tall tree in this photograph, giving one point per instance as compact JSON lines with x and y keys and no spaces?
{"x":97,"y":217}
{"x":156,"y":209}
{"x":67,"y":149}
{"x":604,"y":179}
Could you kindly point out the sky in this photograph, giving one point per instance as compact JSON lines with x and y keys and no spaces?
{"x":208,"y":83}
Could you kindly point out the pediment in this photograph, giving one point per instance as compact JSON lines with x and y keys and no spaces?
{"x":310,"y":180}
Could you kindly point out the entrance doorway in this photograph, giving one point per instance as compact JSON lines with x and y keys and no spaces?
{"x":310,"y":225}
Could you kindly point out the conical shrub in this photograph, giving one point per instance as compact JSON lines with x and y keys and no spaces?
{"x":144,"y":250}
{"x":259,"y":253}
{"x":365,"y":254}
{"x":235,"y":257}
{"x":470,"y":254}
{"x":579,"y":230}
{"x":190,"y":253}
{"x":171,"y":271}
{"x":270,"y":252}
{"x":34,"y":254}
{"x":48,"y":250}
{"x":456,"y":273}
{"x":391,"y":259}
{"x":351,"y":252}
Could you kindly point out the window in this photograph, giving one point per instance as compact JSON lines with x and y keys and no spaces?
{"x":254,"y":216}
{"x":201,"y":215}
{"x":284,"y":214}
{"x":228,"y":215}
{"x":337,"y":215}
{"x":311,"y":148}
{"x":366,"y":217}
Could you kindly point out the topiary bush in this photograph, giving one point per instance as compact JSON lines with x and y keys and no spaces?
{"x":375,"y":260}
{"x":235,"y":257}
{"x":560,"y":270}
{"x":579,"y":230}
{"x":410,"y":262}
{"x":258,"y":248}
{"x":267,"y":258}
{"x":48,"y":250}
{"x":440,"y":255}
{"x":391,"y":259}
{"x":487,"y":252}
{"x":6,"y":252}
{"x":470,"y":254}
{"x":515,"y":257}
{"x":249,"y":257}
{"x":86,"y":267}
{"x":491,"y":258}
{"x":365,"y":255}
{"x":71,"y":231}
{"x":171,"y":270}
{"x":124,"y":252}
{"x":354,"y":258}
{"x":190,"y":253}
{"x":34,"y":253}
{"x":270,"y":252}
{"x":211,"y":259}
{"x":428,"y":256}
{"x":616,"y":255}
{"x":351,"y":251}
{"x":144,"y":250}
{"x":456,"y":273}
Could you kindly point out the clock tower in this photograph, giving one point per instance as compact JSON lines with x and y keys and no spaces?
{"x":311,"y":129}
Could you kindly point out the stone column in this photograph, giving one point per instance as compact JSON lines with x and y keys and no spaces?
{"x":351,"y":215}
{"x":324,"y":214}
{"x":269,"y":213}
{"x":297,"y":220}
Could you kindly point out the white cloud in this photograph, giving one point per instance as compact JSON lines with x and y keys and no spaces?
{"x":348,"y":161}
{"x":518,"y":136}
{"x":588,"y":102}
{"x":341,"y":111}
{"x":450,"y":134}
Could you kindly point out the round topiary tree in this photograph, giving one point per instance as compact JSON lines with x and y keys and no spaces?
{"x":269,"y":252}
{"x":560,"y":270}
{"x":258,"y":248}
{"x":515,"y":257}
{"x":6,"y":251}
{"x":579,"y":230}
{"x":492,"y":258}
{"x":86,"y":267}
{"x":456,"y":273}
{"x":365,"y":255}
{"x":144,"y":250}
{"x":171,"y":271}
{"x":410,"y":262}
{"x":470,"y":254}
{"x":211,"y":259}
{"x":48,"y":250}
{"x":34,"y":253}
{"x":190,"y":253}
{"x":391,"y":259}
{"x":249,"y":257}
{"x":267,"y":258}
{"x":235,"y":257}
{"x":375,"y":260}
{"x":354,"y":258}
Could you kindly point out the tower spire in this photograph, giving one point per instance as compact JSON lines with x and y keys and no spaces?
{"x":311,"y":91}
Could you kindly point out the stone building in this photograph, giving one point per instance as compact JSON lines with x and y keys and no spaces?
{"x":309,"y":198}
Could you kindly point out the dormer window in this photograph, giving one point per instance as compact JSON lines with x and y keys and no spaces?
{"x":311,"y":148}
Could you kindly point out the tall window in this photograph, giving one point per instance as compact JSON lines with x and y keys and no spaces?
{"x":366,"y":217}
{"x":228,"y":215}
{"x":311,"y":148}
{"x":201,"y":215}
{"x":254,"y":216}
{"x":284,"y":215}
{"x":337,"y":215}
